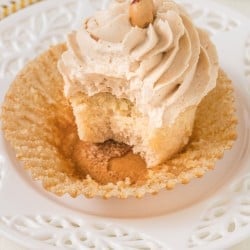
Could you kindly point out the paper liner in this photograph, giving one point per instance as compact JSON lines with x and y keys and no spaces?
{"x":35,"y":115}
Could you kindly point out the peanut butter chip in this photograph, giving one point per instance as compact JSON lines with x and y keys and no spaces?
{"x":141,"y":13}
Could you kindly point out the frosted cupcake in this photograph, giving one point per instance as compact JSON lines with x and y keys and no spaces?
{"x":139,"y":80}
{"x":139,"y":105}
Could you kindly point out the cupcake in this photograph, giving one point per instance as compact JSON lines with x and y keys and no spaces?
{"x":134,"y":103}
{"x":139,"y":79}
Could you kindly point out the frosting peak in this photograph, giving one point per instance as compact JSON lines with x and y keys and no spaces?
{"x":163,"y":69}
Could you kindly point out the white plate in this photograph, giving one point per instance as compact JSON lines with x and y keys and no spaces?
{"x":210,"y":213}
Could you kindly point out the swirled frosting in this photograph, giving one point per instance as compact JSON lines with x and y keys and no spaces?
{"x":163,"y":69}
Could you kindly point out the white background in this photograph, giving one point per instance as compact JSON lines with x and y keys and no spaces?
{"x":244,"y":7}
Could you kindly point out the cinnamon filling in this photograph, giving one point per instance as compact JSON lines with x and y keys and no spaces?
{"x":104,"y":162}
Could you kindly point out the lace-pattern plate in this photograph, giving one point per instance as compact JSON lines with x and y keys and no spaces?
{"x":213,"y":212}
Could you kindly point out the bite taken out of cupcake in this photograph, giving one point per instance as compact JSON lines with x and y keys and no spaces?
{"x":136,"y":74}
{"x":135,"y":102}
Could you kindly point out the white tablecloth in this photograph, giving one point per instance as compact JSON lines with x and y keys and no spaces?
{"x":244,"y":7}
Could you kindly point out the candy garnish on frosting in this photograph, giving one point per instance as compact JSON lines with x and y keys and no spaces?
{"x":141,"y":13}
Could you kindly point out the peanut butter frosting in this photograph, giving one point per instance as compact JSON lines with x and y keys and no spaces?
{"x":163,"y":69}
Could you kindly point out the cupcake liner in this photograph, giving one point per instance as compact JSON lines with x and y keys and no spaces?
{"x":38,"y":122}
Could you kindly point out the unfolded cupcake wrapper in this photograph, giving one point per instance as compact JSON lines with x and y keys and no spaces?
{"x":35,"y":116}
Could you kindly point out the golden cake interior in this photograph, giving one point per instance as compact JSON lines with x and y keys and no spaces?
{"x":39,"y":123}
